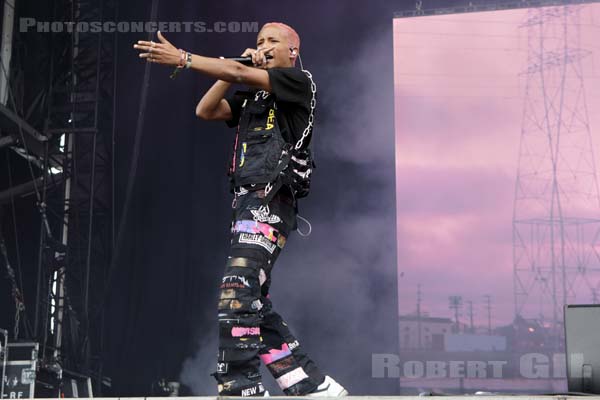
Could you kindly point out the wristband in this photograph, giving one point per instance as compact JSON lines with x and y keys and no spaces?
{"x":185,"y":61}
{"x":188,"y":60}
{"x":182,"y":58}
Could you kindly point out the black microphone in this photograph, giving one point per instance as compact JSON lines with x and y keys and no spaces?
{"x":244,"y":60}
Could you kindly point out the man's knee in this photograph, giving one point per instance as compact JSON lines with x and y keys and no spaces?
{"x":240,"y":286}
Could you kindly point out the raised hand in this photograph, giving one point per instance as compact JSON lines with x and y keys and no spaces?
{"x":162,"y":52}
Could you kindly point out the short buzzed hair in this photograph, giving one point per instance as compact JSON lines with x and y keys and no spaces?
{"x":293,"y":37}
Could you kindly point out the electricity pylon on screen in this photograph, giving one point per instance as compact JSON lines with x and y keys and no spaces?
{"x":556,"y":215}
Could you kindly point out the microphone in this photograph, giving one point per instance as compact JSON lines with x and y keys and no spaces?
{"x":244,"y":60}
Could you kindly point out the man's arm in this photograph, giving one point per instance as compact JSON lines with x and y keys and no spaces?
{"x":231,"y":71}
{"x":213,"y":106}
{"x":225,"y":70}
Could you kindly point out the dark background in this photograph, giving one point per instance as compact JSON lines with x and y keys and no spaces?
{"x":336,"y":288}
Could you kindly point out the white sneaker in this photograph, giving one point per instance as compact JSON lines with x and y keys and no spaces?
{"x":329,"y":388}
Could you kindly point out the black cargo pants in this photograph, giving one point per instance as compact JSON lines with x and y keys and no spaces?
{"x":249,"y":329}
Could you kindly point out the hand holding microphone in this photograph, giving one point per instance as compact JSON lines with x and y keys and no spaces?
{"x":245,"y":60}
{"x":258,"y":56}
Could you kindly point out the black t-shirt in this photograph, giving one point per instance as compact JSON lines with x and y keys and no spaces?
{"x":292,"y":90}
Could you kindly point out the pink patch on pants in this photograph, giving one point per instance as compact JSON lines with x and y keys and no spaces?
{"x":239,"y":331}
{"x":276,"y":354}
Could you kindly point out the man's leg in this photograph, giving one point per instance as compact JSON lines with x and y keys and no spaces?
{"x":292,"y":368}
{"x":257,"y":238}
{"x":295,"y":373}
{"x":239,"y":328}
{"x":245,"y":309}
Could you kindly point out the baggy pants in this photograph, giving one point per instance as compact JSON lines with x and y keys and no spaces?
{"x":249,"y":329}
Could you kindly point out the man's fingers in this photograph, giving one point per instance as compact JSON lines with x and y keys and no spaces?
{"x":156,"y":49}
{"x":262,"y":52}
{"x":149,"y":55}
{"x":247,"y":53}
{"x":161,"y":38}
{"x":151,"y":51}
{"x":154,"y":53}
{"x":151,"y":58}
{"x":267,"y":50}
{"x":258,"y":56}
{"x":143,"y":47}
{"x":261,"y":56}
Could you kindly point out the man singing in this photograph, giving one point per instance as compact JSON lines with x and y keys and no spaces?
{"x":270,"y":169}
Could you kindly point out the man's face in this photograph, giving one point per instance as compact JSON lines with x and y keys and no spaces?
{"x":272,"y":36}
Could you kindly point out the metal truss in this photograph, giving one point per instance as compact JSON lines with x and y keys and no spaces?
{"x":556,"y":216}
{"x":68,"y":138}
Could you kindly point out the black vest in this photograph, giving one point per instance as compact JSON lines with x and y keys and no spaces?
{"x":261,"y":155}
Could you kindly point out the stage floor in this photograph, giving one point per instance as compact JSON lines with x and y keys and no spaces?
{"x":464,"y":397}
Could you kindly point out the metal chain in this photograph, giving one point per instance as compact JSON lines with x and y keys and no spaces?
{"x":243,"y":191}
{"x":19,"y":305}
{"x":18,"y":309}
{"x":238,"y":193}
{"x":311,"y":116}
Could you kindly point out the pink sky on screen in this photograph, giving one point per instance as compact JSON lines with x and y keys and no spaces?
{"x":458,"y":110}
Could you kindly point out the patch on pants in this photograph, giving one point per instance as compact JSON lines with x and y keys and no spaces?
{"x":258,"y":240}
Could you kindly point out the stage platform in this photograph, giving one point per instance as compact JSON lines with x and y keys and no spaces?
{"x":464,"y":397}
